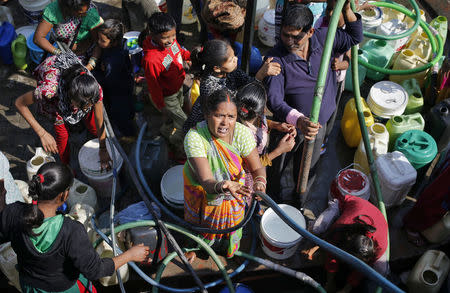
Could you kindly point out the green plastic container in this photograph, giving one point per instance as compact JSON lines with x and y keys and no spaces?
{"x":441,"y":25}
{"x":397,"y":125}
{"x":415,"y":97}
{"x":19,"y":52}
{"x":362,"y":70}
{"x":379,"y":53}
{"x":418,"y":147}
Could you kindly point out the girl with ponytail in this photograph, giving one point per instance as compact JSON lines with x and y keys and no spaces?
{"x":217,"y":67}
{"x":251,"y":102}
{"x":54,"y":253}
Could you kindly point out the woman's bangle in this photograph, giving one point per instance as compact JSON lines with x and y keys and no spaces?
{"x":56,"y":51}
{"x":215,"y":187}
{"x":261,"y":177}
{"x":43,"y":134}
{"x":259,"y":182}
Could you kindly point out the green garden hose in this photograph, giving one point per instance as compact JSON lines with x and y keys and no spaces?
{"x":438,"y":51}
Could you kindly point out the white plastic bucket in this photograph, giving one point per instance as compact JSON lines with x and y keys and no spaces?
{"x":261,"y":7}
{"x":83,"y":214}
{"x":396,"y":175}
{"x":33,"y":9}
{"x":387,"y":99}
{"x":105,"y":251}
{"x":371,"y":19}
{"x":6,"y":15}
{"x":280,"y":241}
{"x":8,"y":263}
{"x":172,"y":187}
{"x":82,"y":194}
{"x":89,"y":160}
{"x":40,"y":158}
{"x":266,"y":28}
{"x":162,"y":5}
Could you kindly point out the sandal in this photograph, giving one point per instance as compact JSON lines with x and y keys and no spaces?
{"x":415,"y":238}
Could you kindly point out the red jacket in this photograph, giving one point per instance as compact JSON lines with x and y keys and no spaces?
{"x":163,"y":69}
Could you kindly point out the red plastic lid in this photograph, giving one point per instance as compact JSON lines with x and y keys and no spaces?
{"x":351,"y":180}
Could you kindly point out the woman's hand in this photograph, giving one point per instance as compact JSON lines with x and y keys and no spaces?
{"x":308,"y":128}
{"x":268,"y":68}
{"x":235,"y":188}
{"x":105,"y":159}
{"x":89,"y":67}
{"x":48,"y":143}
{"x":339,"y":65}
{"x":286,"y":144}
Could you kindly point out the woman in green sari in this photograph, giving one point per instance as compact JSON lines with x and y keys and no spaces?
{"x":214,"y":176}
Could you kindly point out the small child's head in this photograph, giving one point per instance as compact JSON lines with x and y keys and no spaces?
{"x":110,"y":34}
{"x":162,"y":28}
{"x":251,"y":101}
{"x":50,"y":185}
{"x":216,"y":56}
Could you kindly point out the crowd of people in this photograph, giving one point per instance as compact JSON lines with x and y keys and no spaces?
{"x":226,"y":139}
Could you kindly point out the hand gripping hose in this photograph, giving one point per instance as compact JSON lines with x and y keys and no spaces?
{"x":178,"y":229}
{"x":147,"y":202}
{"x":342,"y":255}
{"x":177,"y":219}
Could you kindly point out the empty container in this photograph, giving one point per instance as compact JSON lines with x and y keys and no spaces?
{"x":379,"y":53}
{"x":387,"y":99}
{"x":40,"y":158}
{"x":429,"y":273}
{"x":396,"y":175}
{"x":438,"y":119}
{"x":379,"y":140}
{"x":391,"y":28}
{"x":350,"y":124}
{"x":362,"y":71}
{"x":440,"y":231}
{"x":266,"y":28}
{"x":415,"y":97}
{"x":408,"y":59}
{"x":397,"y":125}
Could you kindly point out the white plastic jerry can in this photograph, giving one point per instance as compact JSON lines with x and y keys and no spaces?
{"x":81,"y":193}
{"x":104,"y":250}
{"x":40,"y":158}
{"x":429,"y":272}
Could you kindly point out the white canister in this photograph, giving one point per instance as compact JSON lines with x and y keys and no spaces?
{"x":371,"y":19}
{"x":40,"y":158}
{"x":266,"y":28}
{"x":379,"y":141}
{"x":81,"y":193}
{"x":387,"y":99}
{"x":189,"y":16}
{"x":396,"y":175}
{"x":105,"y":251}
{"x":83,"y":214}
{"x":429,"y":273}
{"x":33,"y":9}
{"x":391,"y":28}
{"x":23,"y":187}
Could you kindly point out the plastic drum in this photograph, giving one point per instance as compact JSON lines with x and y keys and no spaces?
{"x":387,"y":99}
{"x":172,"y":187}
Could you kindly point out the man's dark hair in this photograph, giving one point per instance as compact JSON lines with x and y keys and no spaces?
{"x":298,"y":16}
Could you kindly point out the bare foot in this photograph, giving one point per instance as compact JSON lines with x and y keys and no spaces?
{"x":310,"y":252}
{"x":191,"y":256}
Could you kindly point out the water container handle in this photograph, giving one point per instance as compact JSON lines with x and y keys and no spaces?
{"x":40,"y":152}
{"x":437,"y":262}
{"x":13,"y":45}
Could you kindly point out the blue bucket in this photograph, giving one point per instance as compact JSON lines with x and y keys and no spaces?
{"x":240,"y":288}
{"x":7,"y":35}
{"x":35,"y":52}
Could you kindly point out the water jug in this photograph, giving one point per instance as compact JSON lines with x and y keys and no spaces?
{"x":23,"y":188}
{"x":266,"y":28}
{"x":440,"y":231}
{"x":438,"y":119}
{"x":6,"y":15}
{"x":415,"y":97}
{"x":8,"y":265}
{"x":379,"y":53}
{"x":397,"y":125}
{"x":417,"y":146}
{"x":396,"y":175}
{"x":189,"y":16}
{"x":19,"y":51}
{"x":441,"y":25}
{"x":389,"y":14}
{"x":350,"y":182}
{"x":350,"y":125}
{"x":104,"y":250}
{"x":149,"y":237}
{"x":391,"y":28}
{"x":371,"y":19}
{"x":83,"y":214}
{"x":81,"y":193}
{"x":40,"y":158}
{"x":379,"y":139}
{"x":407,"y":59}
{"x":421,"y":46}
{"x":7,"y":36}
{"x":387,"y":99}
{"x":410,"y":22}
{"x":362,"y":70}
{"x":429,"y":273}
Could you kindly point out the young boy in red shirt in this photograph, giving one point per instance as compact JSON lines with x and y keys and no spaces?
{"x":163,"y":65}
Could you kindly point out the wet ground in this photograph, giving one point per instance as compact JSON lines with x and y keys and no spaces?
{"x":18,"y":141}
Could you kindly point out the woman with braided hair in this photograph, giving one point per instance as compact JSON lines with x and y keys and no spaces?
{"x":67,"y":93}
{"x":54,"y":253}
